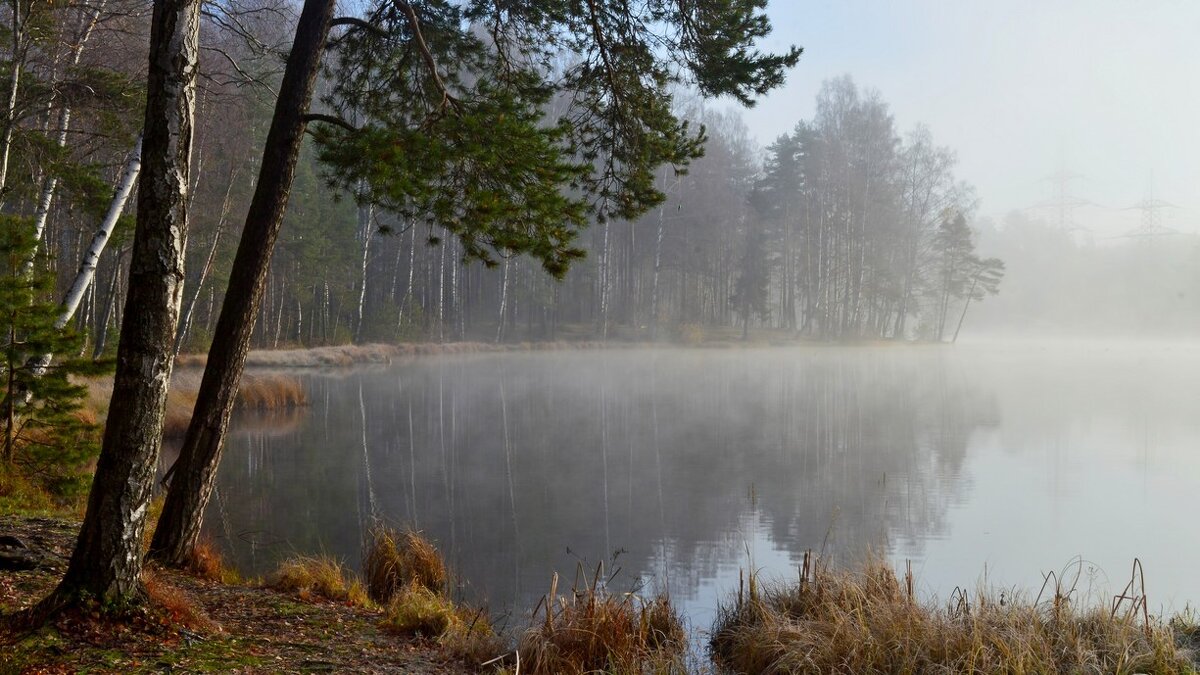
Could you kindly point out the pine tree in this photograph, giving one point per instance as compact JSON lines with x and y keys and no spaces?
{"x":750,"y":291}
{"x":46,"y":437}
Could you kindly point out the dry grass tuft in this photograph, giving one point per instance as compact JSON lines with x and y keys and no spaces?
{"x":417,"y":611}
{"x":176,"y":605}
{"x":395,"y":560}
{"x":868,"y":621}
{"x":594,"y":631}
{"x":312,"y":577}
{"x":208,"y":563}
{"x":406,"y":574}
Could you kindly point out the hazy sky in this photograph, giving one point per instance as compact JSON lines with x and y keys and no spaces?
{"x":1108,"y":88}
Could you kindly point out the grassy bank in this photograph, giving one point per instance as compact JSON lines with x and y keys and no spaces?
{"x":398,"y":615}
{"x":868,"y":620}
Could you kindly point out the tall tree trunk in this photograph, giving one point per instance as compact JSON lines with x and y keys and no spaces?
{"x":503,"y":303}
{"x":107,"y":561}
{"x":658,"y":245}
{"x":412,"y":258}
{"x":196,"y":469}
{"x":966,"y":304}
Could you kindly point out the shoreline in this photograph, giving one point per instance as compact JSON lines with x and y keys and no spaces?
{"x":830,"y":616}
{"x":381,"y":353}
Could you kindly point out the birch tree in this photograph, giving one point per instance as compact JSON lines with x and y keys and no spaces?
{"x":106,"y":563}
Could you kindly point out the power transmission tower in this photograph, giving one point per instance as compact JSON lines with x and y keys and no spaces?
{"x":1062,"y":202}
{"x":1152,"y":216}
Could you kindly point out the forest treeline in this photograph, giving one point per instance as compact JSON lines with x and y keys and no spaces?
{"x":485,"y":131}
{"x":842,"y":229}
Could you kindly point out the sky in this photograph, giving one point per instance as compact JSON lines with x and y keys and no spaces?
{"x":1021,"y":89}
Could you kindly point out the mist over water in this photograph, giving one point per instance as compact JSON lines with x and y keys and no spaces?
{"x":681,"y":467}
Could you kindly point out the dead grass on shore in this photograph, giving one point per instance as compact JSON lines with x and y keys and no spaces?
{"x":313,"y":577}
{"x":406,"y":581}
{"x":342,"y":356}
{"x":262,"y":391}
{"x":207,"y":562}
{"x":592,"y":630}
{"x":394,"y":561}
{"x":868,"y":621}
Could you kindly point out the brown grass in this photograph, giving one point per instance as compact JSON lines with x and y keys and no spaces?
{"x":395,"y":560}
{"x":271,"y":391}
{"x":314,"y":577}
{"x":177,"y":606}
{"x":207,"y":563}
{"x":868,"y":621}
{"x":595,"y":631}
{"x":263,"y":391}
{"x":417,"y":611}
{"x":405,"y":574}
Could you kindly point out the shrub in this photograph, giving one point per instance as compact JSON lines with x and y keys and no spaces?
{"x":43,"y":428}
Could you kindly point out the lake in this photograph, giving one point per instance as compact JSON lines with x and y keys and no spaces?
{"x":680,"y":468}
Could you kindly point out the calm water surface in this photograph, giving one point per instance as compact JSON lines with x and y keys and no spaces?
{"x":681,"y":467}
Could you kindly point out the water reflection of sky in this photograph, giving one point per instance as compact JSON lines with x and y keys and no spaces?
{"x":682,"y":468}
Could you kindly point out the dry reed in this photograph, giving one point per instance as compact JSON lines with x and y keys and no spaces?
{"x":868,"y":621}
{"x":595,"y":631}
{"x":395,"y":560}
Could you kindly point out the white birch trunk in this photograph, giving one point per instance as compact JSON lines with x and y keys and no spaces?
{"x":412,"y":255}
{"x":503,"y":304}
{"x":365,"y":214}
{"x":441,"y":307}
{"x":87,"y":266}
{"x":64,"y":124}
